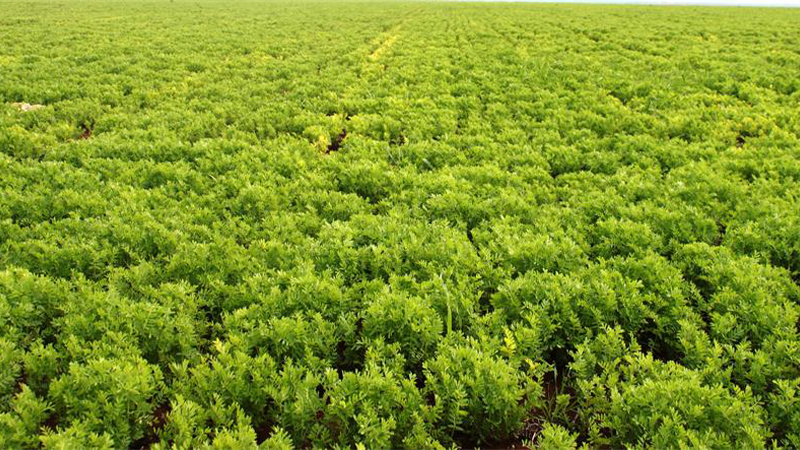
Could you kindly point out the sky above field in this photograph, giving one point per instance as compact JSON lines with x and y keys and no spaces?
{"x":773,"y":3}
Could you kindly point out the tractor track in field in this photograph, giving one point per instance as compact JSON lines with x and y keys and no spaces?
{"x":385,"y":44}
{"x":372,"y":69}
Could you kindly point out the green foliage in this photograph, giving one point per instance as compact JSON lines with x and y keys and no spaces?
{"x":478,"y":393}
{"x":278,"y":440}
{"x":214,"y":426}
{"x":76,"y":436}
{"x":398,"y":225}
{"x":374,"y":408}
{"x":28,"y":305}
{"x":114,"y":396}
{"x":555,"y":437}
{"x":19,"y":425}
{"x":647,"y":402}
{"x":407,"y":321}
{"x":10,"y":369}
{"x":784,"y":409}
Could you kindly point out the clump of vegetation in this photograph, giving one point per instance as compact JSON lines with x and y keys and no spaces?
{"x":398,"y":225}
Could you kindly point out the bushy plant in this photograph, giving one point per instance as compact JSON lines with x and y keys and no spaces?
{"x":479,"y":394}
{"x":397,"y":225}
{"x":408,"y":321}
{"x":107,"y":397}
{"x":630,"y":399}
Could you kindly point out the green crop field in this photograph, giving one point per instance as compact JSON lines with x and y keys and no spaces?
{"x":269,"y":225}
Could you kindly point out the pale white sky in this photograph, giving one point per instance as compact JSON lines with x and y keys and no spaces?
{"x":785,"y":3}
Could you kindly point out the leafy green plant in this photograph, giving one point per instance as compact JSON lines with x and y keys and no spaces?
{"x":114,"y":396}
{"x":390,"y":224}
{"x":642,"y":402}
{"x":479,"y":394}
